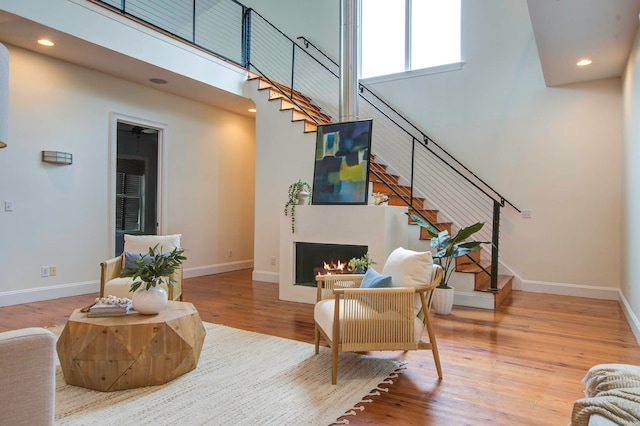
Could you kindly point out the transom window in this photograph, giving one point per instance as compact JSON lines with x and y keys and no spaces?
{"x":405,"y":35}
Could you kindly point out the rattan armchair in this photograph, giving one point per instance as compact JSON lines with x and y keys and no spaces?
{"x":110,"y":269}
{"x":372,"y":319}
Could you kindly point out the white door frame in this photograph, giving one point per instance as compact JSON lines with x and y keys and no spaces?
{"x":161,"y":213}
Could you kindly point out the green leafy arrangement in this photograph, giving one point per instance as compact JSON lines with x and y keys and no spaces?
{"x":361,"y":262}
{"x":154,"y":268}
{"x":294,"y":189}
{"x":448,"y":247}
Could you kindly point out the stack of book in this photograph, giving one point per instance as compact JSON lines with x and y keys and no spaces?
{"x":110,"y":306}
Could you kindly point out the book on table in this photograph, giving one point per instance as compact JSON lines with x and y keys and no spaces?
{"x":100,"y":309}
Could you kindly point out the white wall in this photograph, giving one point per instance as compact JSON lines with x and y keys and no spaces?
{"x":556,"y":151}
{"x":284,"y":154}
{"x":60,"y":213}
{"x":631,"y":225}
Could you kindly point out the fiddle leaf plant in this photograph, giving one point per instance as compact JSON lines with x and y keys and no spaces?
{"x":448,"y":247}
{"x":154,"y":268}
{"x":294,"y":190}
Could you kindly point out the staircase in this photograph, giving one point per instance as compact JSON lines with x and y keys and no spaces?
{"x":382,"y":181}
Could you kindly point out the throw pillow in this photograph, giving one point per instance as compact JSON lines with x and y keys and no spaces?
{"x":372,"y":279}
{"x":130,"y":258}
{"x":409,"y":268}
{"x":141,"y":243}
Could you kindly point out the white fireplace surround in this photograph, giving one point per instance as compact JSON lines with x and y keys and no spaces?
{"x":381,"y":228}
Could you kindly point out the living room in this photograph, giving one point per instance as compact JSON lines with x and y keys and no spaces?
{"x":564,"y":152}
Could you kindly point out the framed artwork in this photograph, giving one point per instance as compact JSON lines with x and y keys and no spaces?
{"x":341,"y":173}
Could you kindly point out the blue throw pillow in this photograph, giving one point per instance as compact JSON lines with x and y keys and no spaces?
{"x":130,"y":258}
{"x":372,"y":279}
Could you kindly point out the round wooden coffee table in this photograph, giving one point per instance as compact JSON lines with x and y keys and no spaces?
{"x":115,"y":353}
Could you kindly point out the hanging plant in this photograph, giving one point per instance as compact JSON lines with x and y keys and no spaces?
{"x":298,"y":192}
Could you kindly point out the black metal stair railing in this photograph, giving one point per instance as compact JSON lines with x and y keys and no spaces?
{"x":240,"y":35}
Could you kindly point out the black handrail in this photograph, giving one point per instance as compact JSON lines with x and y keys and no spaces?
{"x":426,"y":137}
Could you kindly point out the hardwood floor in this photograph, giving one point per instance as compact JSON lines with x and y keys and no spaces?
{"x":520,"y":365}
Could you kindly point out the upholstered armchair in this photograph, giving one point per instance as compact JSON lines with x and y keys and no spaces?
{"x":27,"y":376}
{"x":378,"y":312}
{"x":112,"y":284}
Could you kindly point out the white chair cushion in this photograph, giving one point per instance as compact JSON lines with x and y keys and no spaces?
{"x":324,"y":310}
{"x":119,"y":287}
{"x":409,"y":268}
{"x":142,"y":243}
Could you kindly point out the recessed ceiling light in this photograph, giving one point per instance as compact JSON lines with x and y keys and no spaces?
{"x":583,"y":62}
{"x":45,"y":42}
{"x":252,"y":110}
{"x":158,"y":80}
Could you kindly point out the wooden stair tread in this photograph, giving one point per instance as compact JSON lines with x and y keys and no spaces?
{"x":472,"y":267}
{"x":424,"y":234}
{"x":505,"y":288}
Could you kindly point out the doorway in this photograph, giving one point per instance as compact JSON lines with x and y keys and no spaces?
{"x":136,"y":195}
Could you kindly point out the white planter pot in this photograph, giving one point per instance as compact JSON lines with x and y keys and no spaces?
{"x":149,"y":302}
{"x":303,"y":196}
{"x":443,"y":300}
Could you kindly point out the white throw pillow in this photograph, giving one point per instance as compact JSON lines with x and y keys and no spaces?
{"x":142,"y":243}
{"x":409,"y":268}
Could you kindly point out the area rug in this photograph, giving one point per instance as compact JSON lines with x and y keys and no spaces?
{"x":242,"y":378}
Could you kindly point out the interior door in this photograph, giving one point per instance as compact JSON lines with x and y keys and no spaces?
{"x":136,"y":182}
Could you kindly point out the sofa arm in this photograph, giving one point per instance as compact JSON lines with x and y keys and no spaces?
{"x":109,"y":269}
{"x":27,"y":376}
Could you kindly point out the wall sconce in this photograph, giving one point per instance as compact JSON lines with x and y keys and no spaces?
{"x":57,"y":157}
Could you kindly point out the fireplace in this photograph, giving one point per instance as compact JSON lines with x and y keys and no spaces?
{"x":312,"y":259}
{"x":378,"y":230}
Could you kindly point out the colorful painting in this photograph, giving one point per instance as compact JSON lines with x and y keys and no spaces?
{"x":341,"y":174}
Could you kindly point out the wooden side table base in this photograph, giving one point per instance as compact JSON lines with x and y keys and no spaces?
{"x":116,"y":353}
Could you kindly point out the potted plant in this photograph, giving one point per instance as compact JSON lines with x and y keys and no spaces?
{"x":359,"y":265}
{"x":299,"y":193}
{"x":149,"y":272}
{"x":447,"y":249}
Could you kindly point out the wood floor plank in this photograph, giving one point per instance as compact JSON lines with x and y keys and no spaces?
{"x":520,"y":365}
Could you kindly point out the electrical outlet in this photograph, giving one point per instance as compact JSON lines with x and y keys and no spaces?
{"x":53,"y":270}
{"x":230,"y":253}
{"x":44,"y":271}
{"x":273,"y":260}
{"x":8,"y":206}
{"x":527,"y":214}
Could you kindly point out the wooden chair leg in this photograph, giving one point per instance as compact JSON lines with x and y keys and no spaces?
{"x":434,"y":345}
{"x":334,"y":363}
{"x":317,"y":340}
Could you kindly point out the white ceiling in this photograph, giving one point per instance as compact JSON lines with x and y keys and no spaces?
{"x":565,"y":31}
{"x":569,"y":30}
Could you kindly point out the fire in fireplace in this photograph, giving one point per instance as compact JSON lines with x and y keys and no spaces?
{"x":312,"y":259}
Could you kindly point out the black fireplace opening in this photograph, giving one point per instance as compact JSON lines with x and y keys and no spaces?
{"x":312,"y":259}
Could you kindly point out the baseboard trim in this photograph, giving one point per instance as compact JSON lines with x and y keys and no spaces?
{"x":577,"y":290}
{"x":266,"y":276}
{"x":474,"y":300}
{"x":632,"y":319}
{"x":219,"y":268}
{"x":17,"y":297}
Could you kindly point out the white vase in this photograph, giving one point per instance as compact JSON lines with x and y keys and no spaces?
{"x":443,"y":300}
{"x":303,"y":196}
{"x":149,"y":302}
